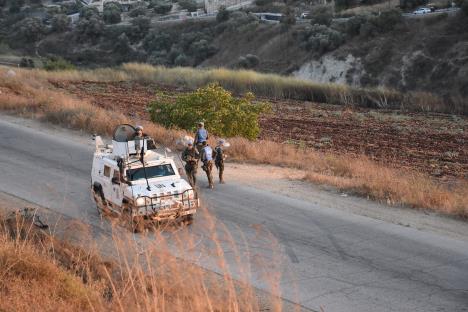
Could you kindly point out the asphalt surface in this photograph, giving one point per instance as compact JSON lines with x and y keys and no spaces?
{"x":322,"y":256}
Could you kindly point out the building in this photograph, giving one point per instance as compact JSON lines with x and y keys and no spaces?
{"x":212,"y":6}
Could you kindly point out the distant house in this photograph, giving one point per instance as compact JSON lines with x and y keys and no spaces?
{"x":74,"y":18}
{"x":213,"y":6}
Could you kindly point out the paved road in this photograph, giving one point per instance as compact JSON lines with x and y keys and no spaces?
{"x":326,"y":257}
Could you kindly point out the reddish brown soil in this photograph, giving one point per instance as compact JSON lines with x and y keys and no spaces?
{"x":435,"y":144}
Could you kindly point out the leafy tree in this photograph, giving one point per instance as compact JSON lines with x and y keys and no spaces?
{"x":223,"y":14}
{"x":30,"y":29}
{"x":157,"y":41}
{"x":464,"y":7}
{"x":225,"y":114}
{"x":141,"y":25}
{"x":321,"y":15}
{"x":111,"y":14}
{"x":91,"y":28}
{"x":161,"y":7}
{"x":249,"y":61}
{"x":181,"y":60}
{"x":89,"y":12}
{"x":122,"y":45}
{"x":26,"y":62}
{"x":138,"y":11}
{"x":189,"y":5}
{"x":288,"y":18}
{"x":60,"y":23}
{"x":15,"y":6}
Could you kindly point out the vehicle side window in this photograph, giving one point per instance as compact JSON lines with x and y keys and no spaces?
{"x":107,"y":171}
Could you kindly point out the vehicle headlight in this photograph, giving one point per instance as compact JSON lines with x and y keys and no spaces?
{"x":191,"y":194}
{"x":140,"y":201}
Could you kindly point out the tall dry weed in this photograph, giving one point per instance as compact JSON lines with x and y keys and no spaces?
{"x":157,"y":271}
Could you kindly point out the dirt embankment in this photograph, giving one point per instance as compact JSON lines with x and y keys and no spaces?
{"x":430,"y":143}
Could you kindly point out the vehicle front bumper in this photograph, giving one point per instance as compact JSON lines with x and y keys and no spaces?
{"x":167,"y":211}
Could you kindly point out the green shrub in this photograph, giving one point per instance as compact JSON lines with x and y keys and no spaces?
{"x":320,"y":38}
{"x":189,"y":5}
{"x":29,"y":29}
{"x":88,"y":12}
{"x":464,"y":7}
{"x":248,"y":62}
{"x":161,"y":7}
{"x":60,"y":23}
{"x":322,"y":15}
{"x":138,"y":11}
{"x":379,"y":24}
{"x":58,"y":63}
{"x":91,"y":28}
{"x":26,"y":63}
{"x":224,"y":114}
{"x":223,"y":15}
{"x":111,"y":14}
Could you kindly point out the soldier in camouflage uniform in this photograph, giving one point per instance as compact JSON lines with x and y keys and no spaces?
{"x":190,"y":155}
{"x":219,"y":160}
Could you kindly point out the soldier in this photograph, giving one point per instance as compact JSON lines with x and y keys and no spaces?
{"x":207,"y":155}
{"x":138,"y":138}
{"x":200,"y":136}
{"x":219,"y":160}
{"x":190,"y":155}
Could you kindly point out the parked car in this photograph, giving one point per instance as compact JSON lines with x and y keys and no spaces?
{"x":422,"y":11}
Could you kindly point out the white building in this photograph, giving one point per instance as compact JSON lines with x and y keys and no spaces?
{"x":212,"y":6}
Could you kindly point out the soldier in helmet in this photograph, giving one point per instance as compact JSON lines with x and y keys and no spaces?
{"x":201,"y":135}
{"x":207,"y":155}
{"x":190,"y":156}
{"x":219,"y":160}
{"x":138,"y":138}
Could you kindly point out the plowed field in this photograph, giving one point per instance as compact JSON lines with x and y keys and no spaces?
{"x":432,"y":143}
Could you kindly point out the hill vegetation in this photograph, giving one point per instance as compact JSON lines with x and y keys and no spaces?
{"x":407,"y":54}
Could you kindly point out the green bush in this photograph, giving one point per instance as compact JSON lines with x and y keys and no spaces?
{"x":223,"y":15}
{"x":161,"y":7}
{"x":320,"y":38}
{"x":248,"y":62}
{"x":379,"y":24}
{"x":30,"y":29}
{"x":60,"y":23}
{"x":322,"y":15}
{"x":58,"y":64}
{"x":464,"y":7}
{"x":138,"y":11}
{"x":111,"y":14}
{"x":88,"y":12}
{"x":224,"y":114}
{"x":91,"y":28}
{"x":189,"y":5}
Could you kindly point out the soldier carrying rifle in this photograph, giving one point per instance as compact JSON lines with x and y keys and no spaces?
{"x":190,"y":155}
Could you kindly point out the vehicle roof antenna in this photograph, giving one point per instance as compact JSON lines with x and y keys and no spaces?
{"x":142,"y":156}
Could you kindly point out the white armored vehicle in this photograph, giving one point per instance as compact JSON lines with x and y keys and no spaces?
{"x":130,"y":179}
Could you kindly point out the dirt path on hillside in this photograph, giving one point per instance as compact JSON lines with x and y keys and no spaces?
{"x":430,"y":143}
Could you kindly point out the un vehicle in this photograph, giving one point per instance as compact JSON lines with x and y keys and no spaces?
{"x":129,"y":178}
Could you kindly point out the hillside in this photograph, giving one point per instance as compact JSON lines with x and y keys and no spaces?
{"x":354,"y":47}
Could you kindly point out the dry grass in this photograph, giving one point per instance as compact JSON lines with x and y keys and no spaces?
{"x":41,"y":273}
{"x":263,"y":85}
{"x":26,"y":94}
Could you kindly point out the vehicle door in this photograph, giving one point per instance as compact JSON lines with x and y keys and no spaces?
{"x":116,"y":195}
{"x":106,"y":181}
